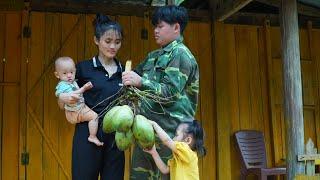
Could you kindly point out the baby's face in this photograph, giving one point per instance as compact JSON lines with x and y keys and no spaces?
{"x":66,"y":71}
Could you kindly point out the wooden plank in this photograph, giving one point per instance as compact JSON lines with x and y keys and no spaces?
{"x":305,"y":177}
{"x":246,"y":89}
{"x":271,"y":90}
{"x":81,"y":45}
{"x":152,"y":42}
{"x":263,"y":52}
{"x":10,"y":126}
{"x":308,"y":157}
{"x":34,"y":69}
{"x":275,"y":42}
{"x":90,"y":47}
{"x":2,"y":56}
{"x":52,"y":37}
{"x":243,"y":72}
{"x":228,"y":9}
{"x":225,"y":53}
{"x":292,"y":86}
{"x":51,"y":127}
{"x":125,"y":50}
{"x":146,"y":44}
{"x":190,"y":37}
{"x":314,"y":53}
{"x":65,"y":129}
{"x":255,"y":79}
{"x":279,"y":136}
{"x":234,"y":97}
{"x":302,"y":9}
{"x":308,"y":80}
{"x":304,"y":45}
{"x":47,"y":140}
{"x":25,"y":50}
{"x":278,"y":80}
{"x":51,"y":22}
{"x":309,"y":124}
{"x":206,"y":65}
{"x":137,"y":52}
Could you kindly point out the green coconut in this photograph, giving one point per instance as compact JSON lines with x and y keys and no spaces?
{"x":143,"y":130}
{"x":124,"y":139}
{"x":124,"y":116}
{"x":108,"y":124}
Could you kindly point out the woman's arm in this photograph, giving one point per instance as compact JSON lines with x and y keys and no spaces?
{"x":160,"y":164}
{"x":164,"y":137}
{"x":60,"y":104}
{"x":68,"y":98}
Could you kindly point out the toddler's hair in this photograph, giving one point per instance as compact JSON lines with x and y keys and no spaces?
{"x":195,"y":129}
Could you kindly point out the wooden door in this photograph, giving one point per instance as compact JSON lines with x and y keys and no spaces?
{"x":10,"y":82}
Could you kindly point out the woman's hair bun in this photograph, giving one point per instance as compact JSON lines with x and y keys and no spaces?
{"x":101,"y":19}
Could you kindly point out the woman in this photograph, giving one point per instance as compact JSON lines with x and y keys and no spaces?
{"x":104,"y":72}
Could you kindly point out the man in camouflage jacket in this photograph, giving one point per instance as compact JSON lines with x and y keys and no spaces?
{"x":170,"y":72}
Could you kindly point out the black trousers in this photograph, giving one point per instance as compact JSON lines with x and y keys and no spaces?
{"x":89,"y":160}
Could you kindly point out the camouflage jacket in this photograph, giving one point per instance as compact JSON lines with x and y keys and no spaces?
{"x":170,"y":72}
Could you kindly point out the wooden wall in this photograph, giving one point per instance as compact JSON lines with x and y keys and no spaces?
{"x":241,"y":88}
{"x":249,"y":90}
{"x":40,"y":129}
{"x":10,"y":53}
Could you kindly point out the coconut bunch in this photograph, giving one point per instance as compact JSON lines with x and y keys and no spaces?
{"x":122,"y":116}
{"x":131,"y":96}
{"x":129,"y":128}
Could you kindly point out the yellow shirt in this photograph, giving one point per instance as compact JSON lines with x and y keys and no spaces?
{"x":184,"y":163}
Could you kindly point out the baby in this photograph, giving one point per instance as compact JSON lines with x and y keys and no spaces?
{"x":65,"y":71}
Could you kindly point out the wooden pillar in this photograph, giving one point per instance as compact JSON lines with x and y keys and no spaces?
{"x":293,"y":112}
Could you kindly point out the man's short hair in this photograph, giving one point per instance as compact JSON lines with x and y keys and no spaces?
{"x":171,"y":15}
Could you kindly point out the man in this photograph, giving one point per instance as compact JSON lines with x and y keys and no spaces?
{"x":170,"y":72}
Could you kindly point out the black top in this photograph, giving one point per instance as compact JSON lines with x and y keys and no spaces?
{"x":103,"y":85}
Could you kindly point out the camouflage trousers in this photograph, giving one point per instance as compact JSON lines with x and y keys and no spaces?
{"x":143,"y":166}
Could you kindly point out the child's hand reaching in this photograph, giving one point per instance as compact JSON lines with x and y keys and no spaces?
{"x":151,"y":151}
{"x":152,"y":123}
{"x":87,"y":86}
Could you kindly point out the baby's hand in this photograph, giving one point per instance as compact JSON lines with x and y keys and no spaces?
{"x":88,"y":85}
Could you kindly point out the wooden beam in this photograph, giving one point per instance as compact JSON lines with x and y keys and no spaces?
{"x":293,"y":104}
{"x":9,"y":5}
{"x":258,"y":19}
{"x":311,"y":2}
{"x":228,"y":9}
{"x":109,"y":8}
{"x":302,"y":9}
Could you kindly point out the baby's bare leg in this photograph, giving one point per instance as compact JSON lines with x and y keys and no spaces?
{"x":93,"y":128}
{"x":72,"y":116}
{"x":87,"y":114}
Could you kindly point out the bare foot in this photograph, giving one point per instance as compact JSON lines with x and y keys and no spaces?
{"x":88,"y":85}
{"x":95,"y":140}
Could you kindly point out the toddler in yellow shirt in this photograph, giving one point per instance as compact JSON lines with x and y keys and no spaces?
{"x":186,"y":146}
